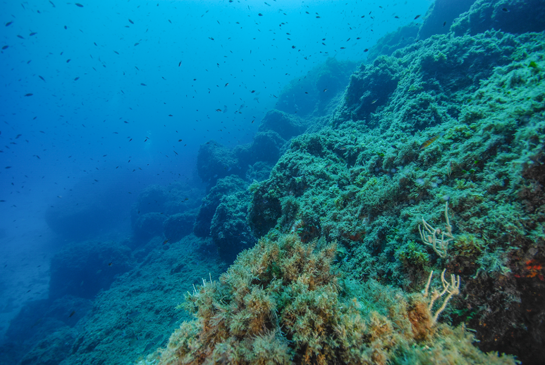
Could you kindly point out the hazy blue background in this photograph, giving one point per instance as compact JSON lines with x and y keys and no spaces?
{"x":75,"y":134}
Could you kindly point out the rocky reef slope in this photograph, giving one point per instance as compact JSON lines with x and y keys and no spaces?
{"x":433,"y":160}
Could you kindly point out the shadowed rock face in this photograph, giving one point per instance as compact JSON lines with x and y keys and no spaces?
{"x":215,"y":161}
{"x":178,"y":226}
{"x":284,"y":124}
{"x":441,"y":15}
{"x":159,"y":206}
{"x":229,"y":229}
{"x":147,"y":226}
{"x":82,"y":269}
{"x":226,"y":186}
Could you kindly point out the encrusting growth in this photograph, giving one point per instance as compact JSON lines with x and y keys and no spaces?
{"x":439,"y":245}
{"x":452,"y":288}
{"x":285,"y":302}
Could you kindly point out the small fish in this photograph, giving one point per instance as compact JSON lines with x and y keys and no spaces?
{"x":8,"y":24}
{"x":218,"y":110}
{"x":79,"y":5}
{"x":68,"y":60}
{"x":505,"y":10}
{"x":20,"y":36}
{"x":179,"y":64}
{"x":33,"y":33}
{"x":365,"y":50}
{"x":416,"y":17}
{"x":19,"y":135}
{"x":76,"y":79}
{"x":5,"y":47}
{"x":444,"y":23}
{"x":29,"y":94}
{"x":51,"y":2}
{"x":136,"y":44}
{"x":71,"y":314}
{"x":165,"y":241}
{"x":130,"y":21}
{"x":143,"y":84}
{"x":430,"y":141}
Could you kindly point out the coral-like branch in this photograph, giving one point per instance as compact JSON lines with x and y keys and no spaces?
{"x":452,"y":288}
{"x":439,"y":245}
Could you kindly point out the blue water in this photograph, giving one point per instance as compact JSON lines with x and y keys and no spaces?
{"x":101,"y":99}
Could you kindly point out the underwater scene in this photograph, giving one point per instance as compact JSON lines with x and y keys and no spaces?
{"x":272,"y":182}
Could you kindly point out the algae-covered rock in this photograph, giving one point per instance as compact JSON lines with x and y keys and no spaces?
{"x":284,"y":124}
{"x":229,"y":228}
{"x":462,"y":125}
{"x":138,"y":312}
{"x":228,"y":185}
{"x":52,"y":349}
{"x":267,"y":147}
{"x":215,"y":161}
{"x":510,"y":16}
{"x":388,"y":44}
{"x":283,"y":302}
{"x":158,"y":206}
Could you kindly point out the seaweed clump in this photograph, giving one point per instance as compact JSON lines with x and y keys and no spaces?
{"x":285,"y":302}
